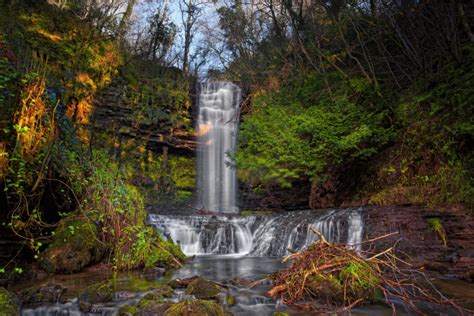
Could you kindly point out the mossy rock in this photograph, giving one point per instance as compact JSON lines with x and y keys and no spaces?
{"x":204,"y":289}
{"x":50,"y":293}
{"x":74,"y":247}
{"x":8,"y":303}
{"x":196,"y":307}
{"x":128,"y":310}
{"x":154,"y":309}
{"x":182,"y":283}
{"x":164,"y":292}
{"x":97,"y":293}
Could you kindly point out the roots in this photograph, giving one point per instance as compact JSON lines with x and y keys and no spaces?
{"x":332,"y":277}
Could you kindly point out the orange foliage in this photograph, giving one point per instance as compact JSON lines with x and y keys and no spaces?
{"x":34,"y":123}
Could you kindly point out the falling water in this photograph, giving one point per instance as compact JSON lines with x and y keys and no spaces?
{"x":217,"y":134}
{"x":260,"y":235}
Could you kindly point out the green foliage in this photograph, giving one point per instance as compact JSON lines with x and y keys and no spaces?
{"x":299,"y":131}
{"x":436,"y":227}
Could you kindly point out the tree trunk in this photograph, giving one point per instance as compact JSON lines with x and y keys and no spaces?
{"x":122,"y":28}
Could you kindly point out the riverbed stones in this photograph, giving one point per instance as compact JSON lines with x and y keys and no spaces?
{"x":49,"y":293}
{"x":8,"y":303}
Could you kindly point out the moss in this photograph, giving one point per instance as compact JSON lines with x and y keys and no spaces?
{"x":253,"y":212}
{"x":196,"y":307}
{"x":128,"y":310}
{"x":166,"y":292}
{"x":280,"y":314}
{"x":75,"y":246}
{"x":436,"y":226}
{"x":203,"y":289}
{"x":230,"y":300}
{"x":97,"y":293}
{"x":8,"y":305}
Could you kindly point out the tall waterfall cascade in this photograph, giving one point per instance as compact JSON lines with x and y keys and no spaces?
{"x":217,"y":135}
{"x":260,"y":235}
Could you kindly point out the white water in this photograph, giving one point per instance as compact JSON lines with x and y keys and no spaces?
{"x":217,"y":134}
{"x":260,"y":235}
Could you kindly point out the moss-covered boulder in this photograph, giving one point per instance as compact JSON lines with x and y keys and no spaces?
{"x":98,"y":293}
{"x":50,"y":293}
{"x":75,"y":246}
{"x":196,"y":307}
{"x":204,"y":289}
{"x":8,"y":303}
{"x":128,"y":310}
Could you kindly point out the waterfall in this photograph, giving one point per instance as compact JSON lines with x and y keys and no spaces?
{"x":260,"y":235}
{"x":217,"y":133}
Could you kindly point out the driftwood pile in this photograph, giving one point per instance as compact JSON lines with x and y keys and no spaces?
{"x":327,"y":277}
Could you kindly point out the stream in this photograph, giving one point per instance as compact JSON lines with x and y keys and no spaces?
{"x":232,"y":271}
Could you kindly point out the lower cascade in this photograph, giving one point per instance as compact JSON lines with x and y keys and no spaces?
{"x":260,"y":235}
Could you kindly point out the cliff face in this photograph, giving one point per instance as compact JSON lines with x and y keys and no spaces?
{"x":421,"y":242}
{"x":113,"y":115}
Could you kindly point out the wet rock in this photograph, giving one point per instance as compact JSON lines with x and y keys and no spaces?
{"x":195,"y":307}
{"x":153,"y":273}
{"x":50,"y":293}
{"x":158,"y":309}
{"x":74,"y":247}
{"x":182,"y":283}
{"x":164,"y":292}
{"x":204,"y":289}
{"x":124,"y":295}
{"x":94,"y":294}
{"x":436,"y":266}
{"x":8,"y":303}
{"x":128,"y":310}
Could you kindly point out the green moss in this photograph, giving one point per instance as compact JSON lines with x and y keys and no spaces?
{"x":128,"y":310}
{"x":230,"y":300}
{"x":203,"y":289}
{"x":97,"y":293}
{"x":252,"y":212}
{"x":8,"y":307}
{"x":196,"y":307}
{"x":436,"y":226}
{"x":75,"y":245}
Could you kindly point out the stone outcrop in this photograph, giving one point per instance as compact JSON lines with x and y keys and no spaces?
{"x":112,"y":114}
{"x":418,"y":239}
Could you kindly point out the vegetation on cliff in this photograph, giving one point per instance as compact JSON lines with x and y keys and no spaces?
{"x":71,"y":191}
{"x":368,"y":103}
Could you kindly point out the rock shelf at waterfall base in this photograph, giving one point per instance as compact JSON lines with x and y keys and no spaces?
{"x":271,"y":235}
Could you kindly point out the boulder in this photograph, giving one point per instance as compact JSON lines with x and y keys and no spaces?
{"x":50,"y":293}
{"x":74,"y":247}
{"x":204,"y":289}
{"x":8,"y":303}
{"x":196,"y":307}
{"x":98,"y":293}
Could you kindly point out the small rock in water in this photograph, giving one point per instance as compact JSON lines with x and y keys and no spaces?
{"x":153,"y":273}
{"x":182,"y":283}
{"x":50,"y":293}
